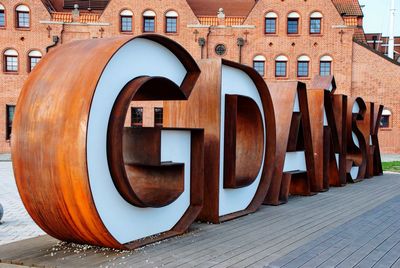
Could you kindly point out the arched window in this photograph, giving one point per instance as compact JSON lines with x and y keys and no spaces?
{"x":315,"y":23}
{"x":171,"y":22}
{"x":2,"y":16}
{"x":293,"y":23}
{"x":10,"y":61}
{"x":149,"y":21}
{"x":22,"y":17}
{"x":385,"y":120}
{"x":281,"y":66}
{"x":325,"y":65}
{"x":126,"y":19}
{"x":270,"y":22}
{"x":259,"y":64}
{"x":303,"y":66}
{"x":33,"y":58}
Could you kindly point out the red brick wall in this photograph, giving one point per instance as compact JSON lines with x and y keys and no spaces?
{"x":335,"y":41}
{"x":376,"y":79}
{"x":331,"y":41}
{"x":23,"y":41}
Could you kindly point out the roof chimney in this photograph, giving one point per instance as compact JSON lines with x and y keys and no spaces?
{"x":391,"y":31}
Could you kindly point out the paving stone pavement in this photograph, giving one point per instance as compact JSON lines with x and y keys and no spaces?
{"x":16,"y":223}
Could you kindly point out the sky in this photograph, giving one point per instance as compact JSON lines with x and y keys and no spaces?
{"x":376,"y":16}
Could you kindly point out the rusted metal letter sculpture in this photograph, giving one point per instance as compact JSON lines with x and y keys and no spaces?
{"x":231,"y":102}
{"x":82,"y":175}
{"x":294,"y":163}
{"x":229,"y":142}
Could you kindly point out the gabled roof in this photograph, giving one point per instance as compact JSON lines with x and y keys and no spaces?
{"x":232,"y":8}
{"x":348,"y":7}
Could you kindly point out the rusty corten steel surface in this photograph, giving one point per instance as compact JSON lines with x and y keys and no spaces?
{"x":324,"y":82}
{"x":50,"y":135}
{"x":283,"y":110}
{"x":288,"y":138}
{"x":242,"y":160}
{"x":339,"y":114}
{"x":356,"y":155}
{"x":316,"y":108}
{"x":376,"y":115}
{"x":203,"y":110}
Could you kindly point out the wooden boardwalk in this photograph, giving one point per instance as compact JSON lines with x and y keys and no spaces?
{"x":354,"y":226}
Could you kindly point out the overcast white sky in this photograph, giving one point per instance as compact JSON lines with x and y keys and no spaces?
{"x":376,"y":16}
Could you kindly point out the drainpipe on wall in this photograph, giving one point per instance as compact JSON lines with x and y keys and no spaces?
{"x":55,"y":42}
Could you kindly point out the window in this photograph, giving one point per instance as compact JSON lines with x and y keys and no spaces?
{"x":385,"y":119}
{"x":293,"y":23}
{"x":137,"y":117}
{"x":34,"y":57}
{"x":10,"y":109}
{"x":325,"y":66}
{"x":171,"y":22}
{"x":270,"y":23}
{"x":303,"y":66}
{"x":22,"y":17}
{"x":126,"y":21}
{"x":315,"y":23}
{"x":2,"y":16}
{"x":158,"y":117}
{"x":149,"y":21}
{"x":281,"y":66}
{"x":11,"y":61}
{"x":259,"y":64}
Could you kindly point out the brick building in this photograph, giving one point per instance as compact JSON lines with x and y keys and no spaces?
{"x":282,"y":39}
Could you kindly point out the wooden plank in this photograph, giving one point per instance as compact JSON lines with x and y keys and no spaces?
{"x":240,"y":247}
{"x":246,"y":234}
{"x":255,"y":240}
{"x":350,"y":229}
{"x":264,"y":249}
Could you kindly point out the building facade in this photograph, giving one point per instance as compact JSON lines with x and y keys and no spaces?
{"x":281,"y":39}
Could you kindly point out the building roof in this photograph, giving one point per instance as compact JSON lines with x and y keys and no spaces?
{"x":348,"y":7}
